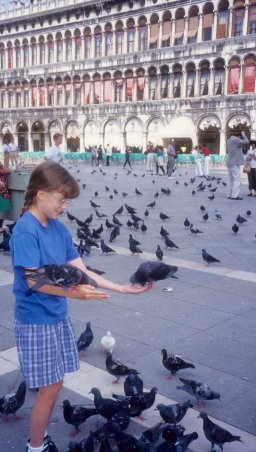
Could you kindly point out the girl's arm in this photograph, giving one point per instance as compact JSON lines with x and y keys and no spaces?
{"x":80,"y":292}
{"x":109,"y":285}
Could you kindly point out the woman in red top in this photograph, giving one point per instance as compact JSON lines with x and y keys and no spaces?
{"x":207,"y":157}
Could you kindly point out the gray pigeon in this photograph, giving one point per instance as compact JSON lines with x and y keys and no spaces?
{"x":216,"y":434}
{"x":208,"y":258}
{"x":173,"y":414}
{"x":148,"y":272}
{"x":198,"y":390}
{"x":85,"y":338}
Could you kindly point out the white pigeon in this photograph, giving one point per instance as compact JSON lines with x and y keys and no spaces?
{"x":108,"y":342}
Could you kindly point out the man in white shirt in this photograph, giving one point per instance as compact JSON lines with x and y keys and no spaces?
{"x":54,"y":153}
{"x":13,"y":150}
{"x":108,"y":153}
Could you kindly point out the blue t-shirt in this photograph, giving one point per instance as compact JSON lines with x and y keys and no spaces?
{"x":35,"y":245}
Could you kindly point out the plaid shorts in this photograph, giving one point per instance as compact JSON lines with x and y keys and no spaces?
{"x":46,"y":352}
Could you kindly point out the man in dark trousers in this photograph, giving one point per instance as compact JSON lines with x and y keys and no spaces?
{"x":235,"y":159}
{"x":171,"y":153}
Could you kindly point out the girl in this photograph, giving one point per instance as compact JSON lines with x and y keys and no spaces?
{"x":44,"y":335}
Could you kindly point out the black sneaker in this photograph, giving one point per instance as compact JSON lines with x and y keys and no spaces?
{"x":237,"y":198}
{"x":49,"y":445}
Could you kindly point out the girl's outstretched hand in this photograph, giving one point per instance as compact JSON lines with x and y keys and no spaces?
{"x":86,"y":292}
{"x":136,"y":289}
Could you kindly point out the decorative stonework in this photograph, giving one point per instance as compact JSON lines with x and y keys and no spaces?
{"x":239,"y":119}
{"x":209,"y":121}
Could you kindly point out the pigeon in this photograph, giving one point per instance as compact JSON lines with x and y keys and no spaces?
{"x":129,"y":224}
{"x":94,"y":205}
{"x":116,"y":221}
{"x":169,"y":243}
{"x":105,"y":248}
{"x":156,"y":195}
{"x":240,"y":219}
{"x":224,"y":184}
{"x":186,"y":223}
{"x":133,"y":385}
{"x":152,"y":435}
{"x":130,"y":209}
{"x":173,"y":414}
{"x":193,"y":192}
{"x":119,"y":211}
{"x":202,"y":208}
{"x":99,"y":230}
{"x":174,"y":363}
{"x":146,"y":213}
{"x":121,"y":418}
{"x":138,"y":403}
{"x":213,"y":190}
{"x":143,"y":228}
{"x":96,"y":194}
{"x":85,"y":338}
{"x":100,"y":215}
{"x":136,"y":218}
{"x":5,"y":245}
{"x":106,"y":188}
{"x":118,"y":369}
{"x":124,"y":194}
{"x":205,"y":216}
{"x":152,"y":204}
{"x":163,"y":216}
{"x":116,"y":191}
{"x":134,"y":248}
{"x":159,"y":253}
{"x":211,"y":198}
{"x":133,"y":241}
{"x":138,"y":193}
{"x":79,"y":223}
{"x":215,"y":433}
{"x":163,"y":232}
{"x":128,"y":443}
{"x":89,"y":219}
{"x":148,"y":272}
{"x":57,"y":275}
{"x":84,"y":186}
{"x":208,"y":258}
{"x":172,"y":432}
{"x":114,"y":233}
{"x":218,"y":215}
{"x":70,"y":217}
{"x":108,"y":342}
{"x":198,"y":390}
{"x":248,"y":213}
{"x":76,"y":415}
{"x":235,"y":228}
{"x":182,"y":443}
{"x":106,"y":407}
{"x":10,"y":403}
{"x":195,"y":231}
{"x":108,"y":224}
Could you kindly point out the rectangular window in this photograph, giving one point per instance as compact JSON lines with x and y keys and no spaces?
{"x":9,"y":96}
{"x":33,"y":54}
{"x":130,"y":37}
{"x":50,"y":96}
{"x":59,"y":51}
{"x":10,"y":53}
{"x":129,"y":89}
{"x":59,"y":94}
{"x":41,"y":96}
{"x":34,"y":91}
{"x":87,"y":88}
{"x":26,"y":98}
{"x":88,"y":46}
{"x":154,"y":33}
{"x":234,"y":74}
{"x":166,"y":33}
{"x":26,"y":55}
{"x":192,"y":29}
{"x":249,"y":79}
{"x":107,"y":90}
{"x":140,"y":88}
{"x":207,"y":26}
{"x":238,"y":22}
{"x":219,"y":81}
{"x":68,"y":94}
{"x":68,"y":49}
{"x":119,"y":42}
{"x":222,"y":29}
{"x":2,"y":59}
{"x":51,"y":53}
{"x":18,"y":57}
{"x":177,"y":85}
{"x":98,"y":45}
{"x":204,"y":83}
{"x":77,"y":93}
{"x":143,"y":38}
{"x":97,"y":86}
{"x":42,"y":53}
{"x":78,"y":47}
{"x":179,"y":32}
{"x":164,"y":86}
{"x":152,"y":88}
{"x":191,"y":84}
{"x":3,"y":98}
{"x":109,"y":44}
{"x":252,"y":20}
{"x":118,"y":90}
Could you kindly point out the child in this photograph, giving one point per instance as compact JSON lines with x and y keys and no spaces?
{"x":54,"y":153}
{"x":45,"y":339}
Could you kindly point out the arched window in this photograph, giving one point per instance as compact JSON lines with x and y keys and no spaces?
{"x":33,"y":88}
{"x":252,"y":17}
{"x":2,"y":95}
{"x":167,"y":28}
{"x":152,"y":74}
{"x":87,"y":89}
{"x":78,"y":45}
{"x":119,"y":38}
{"x":143,"y":34}
{"x":50,"y":50}
{"x":108,"y":40}
{"x":130,"y":36}
{"x":59,"y":46}
{"x":164,"y":81}
{"x":234,"y":75}
{"x":2,"y":56}
{"x":191,"y":79}
{"x":223,"y":19}
{"x":9,"y":95}
{"x":50,"y":92}
{"x":219,"y":76}
{"x":98,"y":42}
{"x":107,"y":88}
{"x":67,"y":94}
{"x":25,"y":89}
{"x":18,"y":53}
{"x":87,"y":43}
{"x":193,"y":24}
{"x":118,"y":86}
{"x":154,"y":31}
{"x":249,"y":74}
{"x":207,"y":22}
{"x":129,"y":84}
{"x":68,"y":46}
{"x":77,"y":90}
{"x":96,"y":89}
{"x":41,"y":50}
{"x":9,"y":55}
{"x":17,"y":89}
{"x":25,"y":52}
{"x":177,"y":80}
{"x":59,"y":89}
{"x":33,"y":52}
{"x":204,"y":78}
{"x":179,"y":26}
{"x":140,"y":84}
{"x":238,"y":18}
{"x":41,"y":93}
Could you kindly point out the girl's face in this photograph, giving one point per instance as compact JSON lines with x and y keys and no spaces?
{"x":52,"y":204}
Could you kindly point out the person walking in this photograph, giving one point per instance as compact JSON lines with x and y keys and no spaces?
{"x":13,"y":150}
{"x":251,"y":157}
{"x":150,"y":156}
{"x":207,"y":158}
{"x":44,"y":335}
{"x":160,"y":160}
{"x":99,"y":156}
{"x":196,"y":152}
{"x":108,"y":154}
{"x":235,"y":159}
{"x":54,"y":153}
{"x":127,"y":157}
{"x":6,"y":152}
{"x":94,"y":155}
{"x":171,"y":153}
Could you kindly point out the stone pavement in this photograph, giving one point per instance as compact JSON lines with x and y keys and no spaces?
{"x":209,"y":318}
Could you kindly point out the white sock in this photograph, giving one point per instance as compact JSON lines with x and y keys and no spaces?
{"x":45,"y":434}
{"x":35,"y":449}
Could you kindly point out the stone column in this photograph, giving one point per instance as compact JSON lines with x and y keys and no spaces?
{"x":223,"y":150}
{"x":170,"y":94}
{"x":197,"y":90}
{"x":241,"y":78}
{"x":125,"y":41}
{"x":103,"y":44}
{"x":144,"y":140}
{"x":160,"y":34}
{"x":200,"y":28}
{"x":172,"y":33}
{"x":225,"y":90}
{"x":185,"y":30}
{"x":82,"y":47}
{"x":146,"y":88}
{"x":215,"y":22}
{"x":82,"y":141}
{"x":73,"y":51}
{"x":136,"y":40}
{"x":184,"y":85}
{"x":230,"y":24}
{"x":135,"y":86}
{"x":245,"y":24}
{"x":64,"y":141}
{"x":30,"y":143}
{"x":211,"y":84}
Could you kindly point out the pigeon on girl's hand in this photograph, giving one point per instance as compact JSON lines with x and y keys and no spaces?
{"x":108,"y":342}
{"x":10,"y":403}
{"x":173,"y":414}
{"x":148,"y":272}
{"x":118,"y":369}
{"x":86,"y":338}
{"x":56,"y":275}
{"x":198,"y":390}
{"x":133,"y":385}
{"x":174,"y":363}
{"x":215,"y":433}
{"x":76,"y":415}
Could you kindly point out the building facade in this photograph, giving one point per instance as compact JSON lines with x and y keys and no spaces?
{"x":125,"y":72}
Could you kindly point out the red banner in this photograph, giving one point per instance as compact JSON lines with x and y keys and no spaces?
{"x":34,"y":94}
{"x":41,"y":96}
{"x":87,"y":88}
{"x":129,"y":87}
{"x":141,"y":83}
{"x":97,"y":91}
{"x":107,"y":90}
{"x":68,"y":87}
{"x":249,"y":79}
{"x":234,"y":75}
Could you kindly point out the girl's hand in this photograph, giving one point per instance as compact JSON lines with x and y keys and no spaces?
{"x":136,"y":289}
{"x":87,"y":292}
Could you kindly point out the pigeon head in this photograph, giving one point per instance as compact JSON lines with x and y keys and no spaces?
{"x":215,"y":395}
{"x":159,"y":407}
{"x":66,"y":403}
{"x":164,"y":353}
{"x":203,"y":415}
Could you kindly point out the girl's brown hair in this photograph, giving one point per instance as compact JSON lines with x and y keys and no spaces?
{"x":50,"y":176}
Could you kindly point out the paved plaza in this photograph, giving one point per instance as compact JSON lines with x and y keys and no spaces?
{"x":209,"y":318}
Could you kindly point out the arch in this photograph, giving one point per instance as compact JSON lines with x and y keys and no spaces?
{"x":73,"y":135}
{"x":208,"y":128}
{"x":38,"y":135}
{"x":237,"y":122}
{"x":154,"y":124}
{"x":133,"y":133}
{"x":22,"y":135}
{"x":91,"y":133}
{"x":112,"y":133}
{"x":182,"y":129}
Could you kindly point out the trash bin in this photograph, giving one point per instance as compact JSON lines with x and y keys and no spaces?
{"x":17,"y":184}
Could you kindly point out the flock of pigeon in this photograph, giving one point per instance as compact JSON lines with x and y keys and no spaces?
{"x":168,"y":433}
